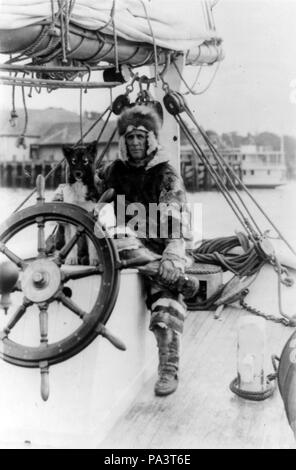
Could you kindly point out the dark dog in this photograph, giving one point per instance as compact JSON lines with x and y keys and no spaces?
{"x":80,"y":190}
{"x":81,"y":161}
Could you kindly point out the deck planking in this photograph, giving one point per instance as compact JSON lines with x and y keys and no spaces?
{"x":203,"y":412}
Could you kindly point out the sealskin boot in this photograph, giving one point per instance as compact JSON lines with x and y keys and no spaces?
{"x":167,"y":342}
{"x":166,"y":384}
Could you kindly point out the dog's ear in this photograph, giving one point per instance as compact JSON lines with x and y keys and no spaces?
{"x":92,"y":149}
{"x":67,"y":150}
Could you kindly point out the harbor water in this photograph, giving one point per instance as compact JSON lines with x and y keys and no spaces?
{"x":215,"y":216}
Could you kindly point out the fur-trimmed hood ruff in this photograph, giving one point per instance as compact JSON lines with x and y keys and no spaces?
{"x":145,"y":118}
{"x":139,"y":115}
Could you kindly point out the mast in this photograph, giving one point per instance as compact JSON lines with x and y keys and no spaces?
{"x":170,"y":133}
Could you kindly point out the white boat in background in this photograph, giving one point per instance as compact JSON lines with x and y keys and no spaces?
{"x":262,"y":167}
{"x":256,"y":166}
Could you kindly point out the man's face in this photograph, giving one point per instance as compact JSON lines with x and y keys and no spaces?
{"x":136,"y":144}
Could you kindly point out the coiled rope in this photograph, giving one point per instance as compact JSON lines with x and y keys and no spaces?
{"x":176,"y":104}
{"x":219,"y":252}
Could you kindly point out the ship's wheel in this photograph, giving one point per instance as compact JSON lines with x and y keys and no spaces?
{"x":43,"y":281}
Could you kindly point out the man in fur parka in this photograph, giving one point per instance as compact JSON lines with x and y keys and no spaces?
{"x":144,"y":176}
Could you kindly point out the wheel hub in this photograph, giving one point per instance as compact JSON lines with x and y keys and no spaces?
{"x":41,"y":280}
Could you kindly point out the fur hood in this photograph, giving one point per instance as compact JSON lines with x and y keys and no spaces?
{"x":139,"y":115}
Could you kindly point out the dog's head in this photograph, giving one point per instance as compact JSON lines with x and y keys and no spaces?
{"x":81,"y":161}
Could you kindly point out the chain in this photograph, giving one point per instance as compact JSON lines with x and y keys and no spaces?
{"x":284,"y":321}
{"x":130,"y":87}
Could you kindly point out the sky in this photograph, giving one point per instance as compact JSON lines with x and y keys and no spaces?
{"x":252,"y":89}
{"x":255,"y":86}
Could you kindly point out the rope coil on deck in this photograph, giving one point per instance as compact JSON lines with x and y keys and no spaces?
{"x":218,"y":252}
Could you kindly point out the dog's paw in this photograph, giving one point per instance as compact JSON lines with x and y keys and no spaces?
{"x":71,"y":260}
{"x":94,"y":262}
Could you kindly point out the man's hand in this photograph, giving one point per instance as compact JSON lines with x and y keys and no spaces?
{"x":167,"y":272}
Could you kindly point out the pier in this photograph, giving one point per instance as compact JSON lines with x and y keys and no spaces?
{"x":197,"y":177}
{"x":24,"y":174}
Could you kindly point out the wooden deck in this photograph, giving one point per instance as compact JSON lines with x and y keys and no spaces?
{"x":203,"y":413}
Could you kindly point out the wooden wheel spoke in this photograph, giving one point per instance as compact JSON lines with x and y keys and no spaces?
{"x":40,"y":278}
{"x":44,"y":370}
{"x":12,"y":256}
{"x":71,"y":305}
{"x":41,"y":236}
{"x":43,"y":323}
{"x":68,"y":247}
{"x":81,"y":273}
{"x":17,"y":315}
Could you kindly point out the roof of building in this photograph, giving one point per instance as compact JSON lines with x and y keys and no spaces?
{"x":54,"y":126}
{"x":39,"y":120}
{"x":69,"y":133}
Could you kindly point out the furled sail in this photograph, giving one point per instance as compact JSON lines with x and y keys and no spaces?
{"x":186,"y":25}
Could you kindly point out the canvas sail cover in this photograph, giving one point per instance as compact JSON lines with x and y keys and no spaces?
{"x":173,"y":24}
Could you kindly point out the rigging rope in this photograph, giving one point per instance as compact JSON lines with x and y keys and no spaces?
{"x":109,"y":21}
{"x":34,"y":190}
{"x":93,"y":125}
{"x":52,"y":11}
{"x":53,"y":30}
{"x":80,"y":114}
{"x":13,"y":113}
{"x":195,"y":80}
{"x":56,"y":33}
{"x":209,"y":15}
{"x":71,"y":7}
{"x":115,"y":36}
{"x":49,"y":174}
{"x":175,"y":104}
{"x":67,"y":34}
{"x":30,"y":50}
{"x":62,"y":21}
{"x":104,"y":126}
{"x":216,"y":177}
{"x":110,"y":140}
{"x":26,"y":113}
{"x":190,"y":89}
{"x":217,"y":251}
{"x":210,"y":252}
{"x":223,"y":164}
{"x":234,"y":175}
{"x":154,"y":42}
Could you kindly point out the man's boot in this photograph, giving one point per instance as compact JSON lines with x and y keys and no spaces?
{"x":168,"y":348}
